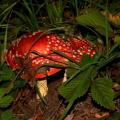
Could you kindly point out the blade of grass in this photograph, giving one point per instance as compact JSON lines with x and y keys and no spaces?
{"x":76,"y":6}
{"x":4,"y":45}
{"x":5,"y":39}
{"x":106,"y":31}
{"x":27,"y":6}
{"x":67,"y":109}
{"x":6,"y":12}
{"x":38,"y":8}
{"x":108,"y":60}
{"x":8,"y":9}
{"x":32,"y":17}
{"x":55,"y":11}
{"x":65,"y":56}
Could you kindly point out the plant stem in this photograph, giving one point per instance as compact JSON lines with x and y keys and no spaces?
{"x":76,"y":6}
{"x":5,"y":44}
{"x":106,"y":30}
{"x":107,"y":61}
{"x":66,"y":110}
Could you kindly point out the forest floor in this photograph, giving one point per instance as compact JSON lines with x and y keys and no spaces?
{"x":27,"y":107}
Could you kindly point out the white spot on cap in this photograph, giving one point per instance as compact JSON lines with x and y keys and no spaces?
{"x":48,"y":49}
{"x":10,"y":52}
{"x":47,"y":36}
{"x":89,"y":50}
{"x":56,"y":44}
{"x":93,"y":52}
{"x":34,"y":33}
{"x":58,"y":41}
{"x":47,"y":61}
{"x":49,"y":43}
{"x":17,"y":54}
{"x":13,"y":56}
{"x":64,"y":45}
{"x":45,"y":52}
{"x":25,"y":54}
{"x":60,"y":47}
{"x":81,"y":53}
{"x":74,"y":56}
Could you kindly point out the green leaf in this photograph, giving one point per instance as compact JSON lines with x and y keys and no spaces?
{"x":86,"y":59}
{"x":102,"y":92}
{"x":95,"y":19}
{"x":72,"y":69}
{"x":77,"y":87}
{"x":79,"y":78}
{"x":2,"y":93}
{"x":6,"y":101}
{"x":19,"y":84}
{"x":7,"y":115}
{"x":6,"y":73}
{"x":117,"y":39}
{"x":8,"y":8}
{"x":6,"y":89}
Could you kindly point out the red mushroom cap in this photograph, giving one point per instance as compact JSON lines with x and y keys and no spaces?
{"x":80,"y":47}
{"x":45,"y":45}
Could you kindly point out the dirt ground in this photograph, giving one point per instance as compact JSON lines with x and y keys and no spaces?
{"x":27,"y":107}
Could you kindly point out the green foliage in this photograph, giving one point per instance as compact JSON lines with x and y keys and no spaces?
{"x":7,"y":115}
{"x":79,"y":82}
{"x":6,"y":73}
{"x":5,"y":10}
{"x":83,"y":77}
{"x":55,"y":11}
{"x":4,"y":45}
{"x":103,"y":93}
{"x":72,"y":90}
{"x":8,"y":86}
{"x":117,"y":39}
{"x":88,"y":75}
{"x":5,"y":101}
{"x":29,"y":18}
{"x":93,"y":18}
{"x":77,"y":87}
{"x":19,"y":20}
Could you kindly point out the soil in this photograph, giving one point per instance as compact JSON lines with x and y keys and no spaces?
{"x":27,"y":107}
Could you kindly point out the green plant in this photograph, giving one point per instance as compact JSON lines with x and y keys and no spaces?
{"x":55,"y":11}
{"x":8,"y":115}
{"x":91,"y":74}
{"x":9,"y":85}
{"x":20,"y":21}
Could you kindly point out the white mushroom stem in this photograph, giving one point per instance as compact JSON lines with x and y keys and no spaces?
{"x":42,"y":88}
{"x":65,"y":76}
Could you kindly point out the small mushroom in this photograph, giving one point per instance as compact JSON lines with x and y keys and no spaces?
{"x":45,"y":45}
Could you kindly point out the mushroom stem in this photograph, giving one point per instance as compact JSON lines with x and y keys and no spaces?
{"x":65,"y":76}
{"x":42,"y":88}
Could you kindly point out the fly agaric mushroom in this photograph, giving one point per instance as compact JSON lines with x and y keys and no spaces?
{"x":45,"y":45}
